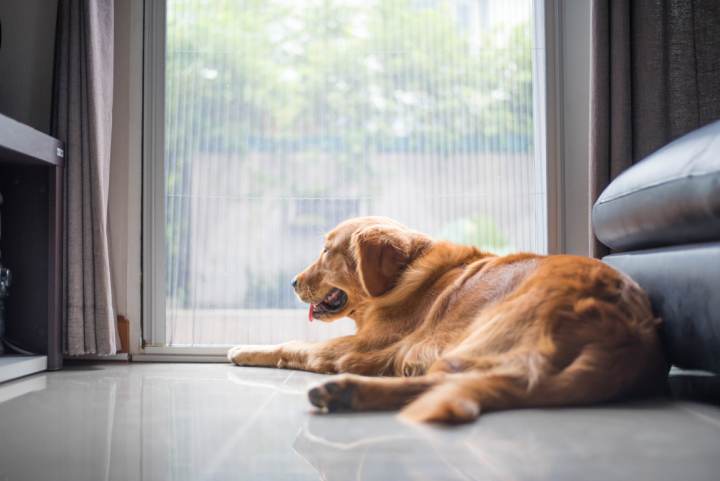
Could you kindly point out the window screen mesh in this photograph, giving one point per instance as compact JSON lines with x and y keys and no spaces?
{"x":283,"y":118}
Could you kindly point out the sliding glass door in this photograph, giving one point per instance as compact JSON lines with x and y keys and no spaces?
{"x":270,"y":121}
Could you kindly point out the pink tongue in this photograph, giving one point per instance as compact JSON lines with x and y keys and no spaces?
{"x":310,"y":313}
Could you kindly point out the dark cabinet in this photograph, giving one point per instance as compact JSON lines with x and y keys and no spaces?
{"x":31,"y":182}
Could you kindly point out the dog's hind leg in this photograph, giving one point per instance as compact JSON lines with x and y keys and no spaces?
{"x":461,"y":400}
{"x":526,"y":380}
{"x":349,"y":392}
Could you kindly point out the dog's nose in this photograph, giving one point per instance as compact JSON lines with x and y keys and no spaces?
{"x":293,"y":282}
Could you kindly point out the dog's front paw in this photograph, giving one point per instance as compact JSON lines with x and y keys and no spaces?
{"x":250,"y":355}
{"x":235,"y":354}
{"x":337,"y":394}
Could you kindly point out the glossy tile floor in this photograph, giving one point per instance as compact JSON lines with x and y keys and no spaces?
{"x":218,"y":422}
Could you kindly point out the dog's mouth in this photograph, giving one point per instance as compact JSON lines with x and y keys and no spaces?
{"x":332,"y":303}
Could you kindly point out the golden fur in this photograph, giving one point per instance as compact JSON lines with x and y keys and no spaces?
{"x":462,"y":330}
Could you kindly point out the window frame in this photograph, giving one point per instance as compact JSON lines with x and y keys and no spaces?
{"x":552,"y":31}
{"x":153,"y":258}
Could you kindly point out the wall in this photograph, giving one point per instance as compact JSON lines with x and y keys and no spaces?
{"x":575,"y":24}
{"x":124,"y":214}
{"x":26,"y":60}
{"x":567,"y":40}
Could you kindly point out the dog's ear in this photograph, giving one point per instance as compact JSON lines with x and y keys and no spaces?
{"x":382,"y":253}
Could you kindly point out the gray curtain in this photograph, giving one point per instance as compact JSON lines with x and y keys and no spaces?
{"x":655,"y":76}
{"x":82,"y":118}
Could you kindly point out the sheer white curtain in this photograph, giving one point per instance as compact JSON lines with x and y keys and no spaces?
{"x":283,"y":118}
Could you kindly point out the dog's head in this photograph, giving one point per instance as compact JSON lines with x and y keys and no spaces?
{"x":362,"y":258}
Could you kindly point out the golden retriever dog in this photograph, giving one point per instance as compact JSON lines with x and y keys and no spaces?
{"x":449,"y":331}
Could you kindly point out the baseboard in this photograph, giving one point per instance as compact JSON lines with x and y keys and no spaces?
{"x":119,"y":357}
{"x":179,"y":358}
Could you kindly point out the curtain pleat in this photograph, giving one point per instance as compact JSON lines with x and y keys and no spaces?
{"x":82,"y":118}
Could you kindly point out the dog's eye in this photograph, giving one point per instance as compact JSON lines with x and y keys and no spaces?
{"x":326,"y":250}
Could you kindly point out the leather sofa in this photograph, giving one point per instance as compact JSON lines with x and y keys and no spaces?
{"x":661,"y":218}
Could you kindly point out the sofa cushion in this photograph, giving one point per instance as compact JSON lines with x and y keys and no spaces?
{"x":671,"y":197}
{"x":682,"y":283}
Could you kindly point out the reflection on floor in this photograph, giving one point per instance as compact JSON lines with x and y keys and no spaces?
{"x":217,"y":422}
